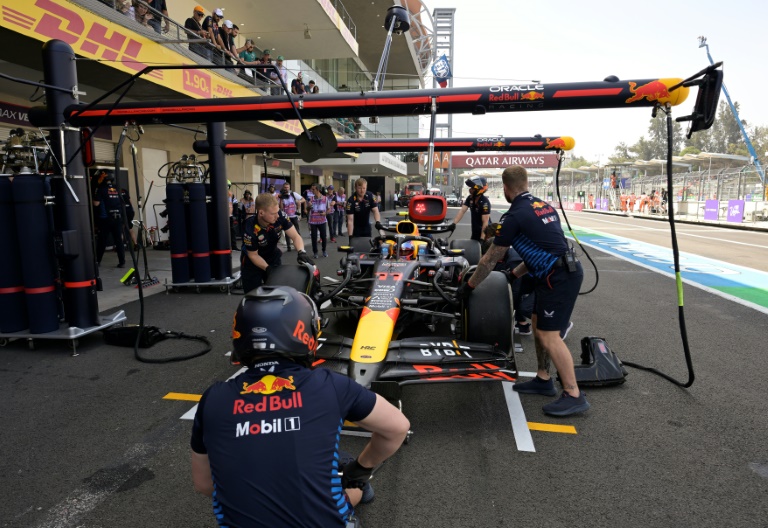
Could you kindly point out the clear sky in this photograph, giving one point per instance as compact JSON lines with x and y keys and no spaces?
{"x":586,"y":40}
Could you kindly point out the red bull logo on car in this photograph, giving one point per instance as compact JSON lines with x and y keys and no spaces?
{"x":269,"y":384}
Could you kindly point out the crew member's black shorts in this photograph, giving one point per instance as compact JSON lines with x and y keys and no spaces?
{"x":556,"y":296}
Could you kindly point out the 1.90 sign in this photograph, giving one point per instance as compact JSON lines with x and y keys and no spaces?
{"x":197,"y":82}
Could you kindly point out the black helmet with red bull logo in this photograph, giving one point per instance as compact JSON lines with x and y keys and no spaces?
{"x":477,"y":184}
{"x":275,"y":321}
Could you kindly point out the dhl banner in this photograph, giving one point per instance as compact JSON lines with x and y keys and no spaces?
{"x":97,"y":38}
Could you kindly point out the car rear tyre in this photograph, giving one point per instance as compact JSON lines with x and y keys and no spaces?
{"x":472,"y":250}
{"x":488,"y":315}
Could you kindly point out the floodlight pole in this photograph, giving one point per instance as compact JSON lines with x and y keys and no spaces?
{"x":747,"y":141}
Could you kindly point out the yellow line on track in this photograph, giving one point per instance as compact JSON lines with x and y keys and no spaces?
{"x":182,"y":396}
{"x":551,"y":428}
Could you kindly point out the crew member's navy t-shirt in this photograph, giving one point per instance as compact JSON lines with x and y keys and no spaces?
{"x":272,"y":439}
{"x":532,"y":227}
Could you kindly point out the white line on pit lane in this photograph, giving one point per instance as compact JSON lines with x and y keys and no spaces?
{"x":679,"y":232}
{"x":522,"y":433}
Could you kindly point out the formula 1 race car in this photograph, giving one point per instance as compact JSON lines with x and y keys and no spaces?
{"x":394,"y":310}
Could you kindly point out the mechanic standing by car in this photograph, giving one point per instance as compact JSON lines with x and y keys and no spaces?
{"x":265,"y":445}
{"x":109,"y":220}
{"x":532,"y":228}
{"x":359,"y":208}
{"x":260,"y":236}
{"x":479,"y":206}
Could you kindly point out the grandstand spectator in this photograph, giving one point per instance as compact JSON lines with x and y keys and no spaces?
{"x":126,"y":8}
{"x":277,"y":75}
{"x":297,"y":85}
{"x":211,"y":25}
{"x":194,"y":25}
{"x":143,"y":16}
{"x":263,"y":72}
{"x":313,"y":88}
{"x":160,"y":7}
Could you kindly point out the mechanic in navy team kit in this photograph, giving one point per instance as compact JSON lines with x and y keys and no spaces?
{"x":479,"y":206}
{"x":265,"y":445}
{"x":109,"y":220}
{"x":359,"y":208}
{"x":260,"y":236}
{"x":532,"y":228}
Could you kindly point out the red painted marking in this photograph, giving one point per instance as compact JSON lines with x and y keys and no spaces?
{"x":81,"y":284}
{"x":34,"y":291}
{"x":12,"y":289}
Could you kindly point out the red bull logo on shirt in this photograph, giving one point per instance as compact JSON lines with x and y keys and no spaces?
{"x":268,"y":384}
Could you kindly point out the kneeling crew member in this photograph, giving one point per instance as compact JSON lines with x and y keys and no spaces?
{"x":359,"y":208}
{"x":265,"y":445}
{"x":260,"y":236}
{"x":532,"y":228}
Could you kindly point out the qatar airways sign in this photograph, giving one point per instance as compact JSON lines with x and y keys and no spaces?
{"x":502,"y":161}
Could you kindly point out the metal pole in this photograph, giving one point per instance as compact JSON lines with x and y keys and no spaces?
{"x":221,"y":252}
{"x":73,"y":201}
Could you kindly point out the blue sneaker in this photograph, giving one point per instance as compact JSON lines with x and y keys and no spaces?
{"x":566,"y":405}
{"x":325,"y":253}
{"x":368,"y":494}
{"x":536,"y":386}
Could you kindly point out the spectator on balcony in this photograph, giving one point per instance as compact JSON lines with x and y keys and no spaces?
{"x":297,"y":85}
{"x":313,"y":88}
{"x":248,"y":56}
{"x":194,"y":25}
{"x":277,"y":76}
{"x":235,"y":49}
{"x":228,"y":38}
{"x":143,"y":16}
{"x":160,"y":7}
{"x":211,"y":25}
{"x":263,"y":72}
{"x":126,"y":8}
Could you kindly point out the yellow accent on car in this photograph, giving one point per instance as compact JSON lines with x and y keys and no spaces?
{"x":374,"y":331}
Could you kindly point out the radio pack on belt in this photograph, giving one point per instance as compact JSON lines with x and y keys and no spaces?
{"x":125,"y":336}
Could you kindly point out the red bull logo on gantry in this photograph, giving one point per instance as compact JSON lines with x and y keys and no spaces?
{"x":269,"y":384}
{"x":652,"y":91}
{"x":557,"y":143}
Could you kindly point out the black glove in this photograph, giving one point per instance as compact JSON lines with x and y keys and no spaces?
{"x":266,"y":272}
{"x":354,"y":475}
{"x":379,"y":226}
{"x":302,"y":258}
{"x":451,"y":227}
{"x":464,"y":291}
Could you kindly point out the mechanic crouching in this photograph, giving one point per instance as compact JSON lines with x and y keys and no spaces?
{"x":532,"y":228}
{"x":260,"y":236}
{"x":265,"y":444}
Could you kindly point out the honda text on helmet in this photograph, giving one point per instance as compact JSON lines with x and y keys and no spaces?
{"x":275,"y":321}
{"x":477,"y":184}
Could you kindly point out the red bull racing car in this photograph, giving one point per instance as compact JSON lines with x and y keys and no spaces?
{"x":392,"y":317}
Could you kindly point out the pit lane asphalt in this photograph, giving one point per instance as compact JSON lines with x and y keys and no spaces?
{"x":89,"y":442}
